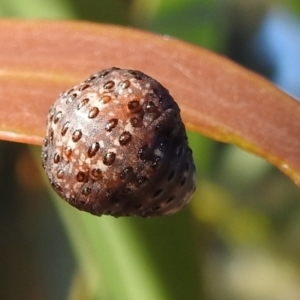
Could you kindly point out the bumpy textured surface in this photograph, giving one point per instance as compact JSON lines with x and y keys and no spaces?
{"x":116,"y":145}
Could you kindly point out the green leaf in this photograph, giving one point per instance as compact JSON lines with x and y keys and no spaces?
{"x":129,"y":258}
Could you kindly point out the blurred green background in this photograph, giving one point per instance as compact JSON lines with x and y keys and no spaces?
{"x":240,"y":236}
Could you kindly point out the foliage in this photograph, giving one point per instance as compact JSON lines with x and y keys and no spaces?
{"x":239,"y":237}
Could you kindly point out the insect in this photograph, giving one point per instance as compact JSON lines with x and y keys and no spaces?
{"x":116,"y":145}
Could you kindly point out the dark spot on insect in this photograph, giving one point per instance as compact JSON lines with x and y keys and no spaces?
{"x":77,"y":134}
{"x":183,"y":181}
{"x":70,"y":91}
{"x":105,"y":99}
{"x":57,"y":117}
{"x":155,"y":208}
{"x":157,"y":193}
{"x":143,"y":152}
{"x":169,"y":131}
{"x":81,"y":176}
{"x":127,"y":191}
{"x":156,"y":162}
{"x":45,"y":156}
{"x":109,"y":85}
{"x":179,"y":204}
{"x":68,"y":151}
{"x":170,"y":199}
{"x":126,"y":172}
{"x":52,"y":114}
{"x":84,"y":87}
{"x":51,"y":134}
{"x":45,"y":142}
{"x":161,"y":146}
{"x":150,"y":107}
{"x":83,"y":103}
{"x":82,"y":202}
{"x":179,"y":150}
{"x":133,"y":105}
{"x":109,"y":158}
{"x":158,"y":94}
{"x":125,"y":84}
{"x":92,"y":78}
{"x":108,"y":192}
{"x":187,"y":166}
{"x":86,"y":191}
{"x":137,"y":206}
{"x":125,"y":138}
{"x":93,"y":149}
{"x":56,"y":158}
{"x":104,"y":73}
{"x":57,"y":186}
{"x":155,"y":92}
{"x":141,"y":180}
{"x":171,"y":175}
{"x":158,"y":128}
{"x":97,"y":173}
{"x":135,"y":122}
{"x":112,"y":123}
{"x":115,"y":201}
{"x":65,"y":128}
{"x":60,"y":174}
{"x":136,"y":74}
{"x":93,"y":113}
{"x":72,"y":198}
{"x":71,"y":98}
